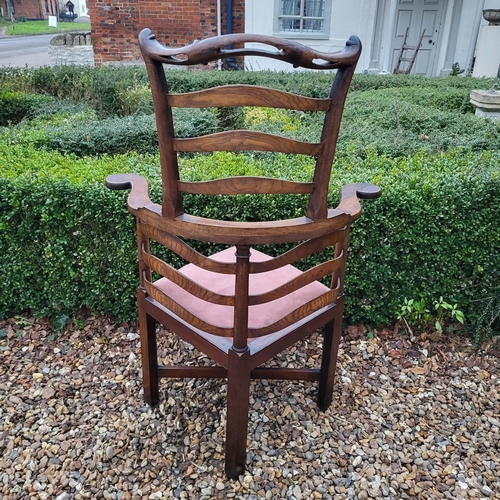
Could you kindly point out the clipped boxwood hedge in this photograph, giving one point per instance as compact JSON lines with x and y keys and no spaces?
{"x":396,"y":122}
{"x":124,"y":89}
{"x":15,"y":106}
{"x":66,"y":241}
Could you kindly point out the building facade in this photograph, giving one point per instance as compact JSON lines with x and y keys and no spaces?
{"x":30,"y":9}
{"x":117,"y":23}
{"x":450,"y":28}
{"x":450,"y":36}
{"x":40,"y":9}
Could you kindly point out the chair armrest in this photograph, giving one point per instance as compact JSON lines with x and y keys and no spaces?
{"x":139,"y":194}
{"x":350,"y":195}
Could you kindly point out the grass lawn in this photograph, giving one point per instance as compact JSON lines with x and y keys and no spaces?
{"x":42,"y":27}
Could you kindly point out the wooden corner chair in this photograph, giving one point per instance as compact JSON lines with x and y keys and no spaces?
{"x":240,"y":306}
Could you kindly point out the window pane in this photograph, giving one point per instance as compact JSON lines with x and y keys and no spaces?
{"x":302,"y":15}
{"x":314,"y":8}
{"x":314,"y":25}
{"x":290,"y":7}
{"x":289,"y":24}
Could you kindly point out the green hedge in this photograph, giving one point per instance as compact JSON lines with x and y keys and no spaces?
{"x":395,"y":122}
{"x":66,"y":241}
{"x":123,"y":90}
{"x":83,"y":134}
{"x":15,"y":106}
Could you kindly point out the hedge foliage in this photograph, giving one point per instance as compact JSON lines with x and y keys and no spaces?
{"x":15,"y":106}
{"x":124,"y":89}
{"x":67,"y":242}
{"x":395,"y":121}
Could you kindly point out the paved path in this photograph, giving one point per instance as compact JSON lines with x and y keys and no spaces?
{"x":21,"y":51}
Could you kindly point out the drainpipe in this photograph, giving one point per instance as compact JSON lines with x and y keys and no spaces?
{"x":229,"y":18}
{"x":219,"y":30}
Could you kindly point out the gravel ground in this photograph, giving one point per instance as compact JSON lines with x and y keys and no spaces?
{"x":411,"y":418}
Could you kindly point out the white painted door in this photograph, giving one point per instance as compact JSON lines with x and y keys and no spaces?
{"x":418,"y":15}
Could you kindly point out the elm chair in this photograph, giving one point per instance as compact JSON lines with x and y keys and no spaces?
{"x":240,"y":306}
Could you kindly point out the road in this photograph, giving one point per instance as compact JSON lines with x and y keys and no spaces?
{"x":21,"y":51}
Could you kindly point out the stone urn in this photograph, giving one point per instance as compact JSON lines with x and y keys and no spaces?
{"x":486,"y":102}
{"x":492,"y":16}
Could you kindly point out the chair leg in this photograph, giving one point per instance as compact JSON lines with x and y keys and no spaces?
{"x":331,"y":341}
{"x":238,"y":391}
{"x":147,"y":328}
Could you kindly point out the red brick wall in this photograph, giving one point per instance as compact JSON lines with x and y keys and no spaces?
{"x":117,"y":23}
{"x":30,"y":9}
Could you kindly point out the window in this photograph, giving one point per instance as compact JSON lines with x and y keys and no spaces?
{"x":303,"y":18}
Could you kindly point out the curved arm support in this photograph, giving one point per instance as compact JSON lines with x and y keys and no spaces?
{"x":212,"y":49}
{"x":352,"y":193}
{"x":139,"y":194}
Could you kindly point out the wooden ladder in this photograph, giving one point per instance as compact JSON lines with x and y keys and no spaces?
{"x":405,"y":47}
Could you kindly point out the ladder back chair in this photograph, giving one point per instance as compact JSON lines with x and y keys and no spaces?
{"x":240,"y":306}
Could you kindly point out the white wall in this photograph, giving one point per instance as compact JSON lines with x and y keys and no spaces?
{"x":80,"y":9}
{"x":488,"y":46}
{"x":356,"y":17}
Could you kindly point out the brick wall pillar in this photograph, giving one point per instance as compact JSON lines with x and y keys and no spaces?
{"x":117,"y":23}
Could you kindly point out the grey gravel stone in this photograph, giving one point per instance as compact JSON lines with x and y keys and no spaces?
{"x":73,"y":424}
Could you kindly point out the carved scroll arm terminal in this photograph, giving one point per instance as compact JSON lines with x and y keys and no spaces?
{"x":352,"y":193}
{"x":139,"y":194}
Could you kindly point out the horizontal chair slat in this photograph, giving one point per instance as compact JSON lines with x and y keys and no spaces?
{"x":246,"y":185}
{"x":190,"y":286}
{"x":182,"y":249}
{"x":183,"y":313}
{"x":299,"y":252}
{"x":186,"y":371}
{"x":324,"y":300}
{"x":246,"y":95}
{"x":249,"y":233}
{"x":245,"y":140}
{"x":313,"y":274}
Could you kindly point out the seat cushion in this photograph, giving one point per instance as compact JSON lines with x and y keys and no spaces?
{"x":260,"y":315}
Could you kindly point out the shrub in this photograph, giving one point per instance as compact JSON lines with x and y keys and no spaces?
{"x":390,"y":122}
{"x":15,"y":106}
{"x":106,"y":88}
{"x":393,"y":122}
{"x":66,"y":241}
{"x":83,"y":135}
{"x":110,"y":136}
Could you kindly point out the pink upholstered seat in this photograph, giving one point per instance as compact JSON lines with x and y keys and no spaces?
{"x":258,"y":315}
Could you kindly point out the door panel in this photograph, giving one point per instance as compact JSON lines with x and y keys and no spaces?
{"x":429,"y":22}
{"x":403,"y":20}
{"x":418,"y":15}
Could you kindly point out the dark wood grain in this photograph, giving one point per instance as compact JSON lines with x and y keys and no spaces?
{"x":191,"y":286}
{"x":246,"y":185}
{"x":247,"y":95}
{"x":314,"y":274}
{"x":298,"y":252}
{"x":297,"y":315}
{"x":238,"y":306}
{"x":257,"y":233}
{"x":184,"y":314}
{"x":331,"y":342}
{"x":245,"y":140}
{"x":213,"y":49}
{"x":181,"y":248}
{"x":188,"y":371}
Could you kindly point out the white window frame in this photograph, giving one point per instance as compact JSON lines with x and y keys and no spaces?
{"x":325,"y":34}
